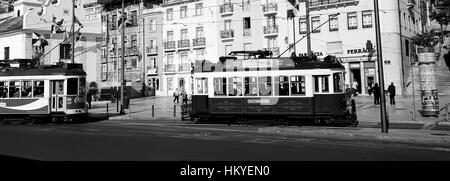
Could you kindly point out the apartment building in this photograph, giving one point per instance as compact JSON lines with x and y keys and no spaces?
{"x":348,"y":25}
{"x":189,"y":35}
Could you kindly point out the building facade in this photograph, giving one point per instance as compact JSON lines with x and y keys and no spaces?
{"x":35,"y":16}
{"x":348,"y":25}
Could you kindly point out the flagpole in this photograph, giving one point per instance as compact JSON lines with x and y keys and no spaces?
{"x":73,"y":31}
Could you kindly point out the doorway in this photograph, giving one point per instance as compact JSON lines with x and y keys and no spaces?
{"x":57,"y":96}
{"x":355,"y":76}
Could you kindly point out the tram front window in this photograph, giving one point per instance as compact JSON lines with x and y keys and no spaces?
{"x":38,"y":89}
{"x":26,"y":89}
{"x":82,"y":86}
{"x":235,"y":86}
{"x":338,"y":82}
{"x":72,"y":85}
{"x":220,"y":85}
{"x":265,"y":86}
{"x":298,"y":86}
{"x":3,"y":90}
{"x":251,"y":86}
{"x":282,"y":86}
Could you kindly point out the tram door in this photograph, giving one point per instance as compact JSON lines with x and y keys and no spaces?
{"x":57,"y":95}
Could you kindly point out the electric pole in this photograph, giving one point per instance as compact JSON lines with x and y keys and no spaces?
{"x":308,"y":37}
{"x":73,"y":32}
{"x":122,"y":88}
{"x":384,"y":118}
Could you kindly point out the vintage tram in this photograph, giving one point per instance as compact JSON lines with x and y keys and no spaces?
{"x":44,"y":93}
{"x":259,"y":86}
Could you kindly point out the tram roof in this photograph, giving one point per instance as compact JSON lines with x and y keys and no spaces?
{"x":230,"y":64}
{"x":63,"y":69}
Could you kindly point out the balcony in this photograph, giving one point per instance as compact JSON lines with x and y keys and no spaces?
{"x":270,"y":8}
{"x":169,"y":68}
{"x":169,"y":45}
{"x":130,"y":51}
{"x":271,"y":30}
{"x":152,"y":71}
{"x":184,"y":67}
{"x":247,"y":32}
{"x":227,"y":34}
{"x":199,"y":42}
{"x":183,"y":43}
{"x":152,"y":50}
{"x":226,"y":9}
{"x":275,"y":50}
{"x":326,"y":4}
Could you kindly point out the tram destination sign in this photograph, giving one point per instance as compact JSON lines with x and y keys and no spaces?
{"x":258,"y":63}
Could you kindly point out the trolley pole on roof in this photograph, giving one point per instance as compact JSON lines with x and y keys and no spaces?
{"x":384,"y":117}
{"x":122,"y":70}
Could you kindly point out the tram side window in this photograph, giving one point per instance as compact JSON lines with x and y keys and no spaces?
{"x":38,"y":89}
{"x":3,"y":90}
{"x":338,"y":82}
{"x":251,"y":86}
{"x":72,"y":85}
{"x":202,"y":85}
{"x":82,"y":86}
{"x":220,"y":85}
{"x":298,"y":87}
{"x":235,"y":86}
{"x":321,"y":84}
{"x":281,"y":86}
{"x":26,"y":89}
{"x":265,"y":86}
{"x":14,"y":89}
{"x":325,"y":84}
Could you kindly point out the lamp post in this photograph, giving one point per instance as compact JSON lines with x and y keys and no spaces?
{"x":122,"y":88}
{"x":384,"y":118}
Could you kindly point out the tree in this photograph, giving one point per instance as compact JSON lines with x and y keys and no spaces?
{"x":426,"y":39}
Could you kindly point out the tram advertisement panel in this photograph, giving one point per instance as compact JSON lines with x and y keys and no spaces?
{"x":24,"y":106}
{"x":75,"y":102}
{"x":430,"y":103}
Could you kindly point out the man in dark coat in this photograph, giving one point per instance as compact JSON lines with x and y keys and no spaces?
{"x":376,"y":93}
{"x":391,"y":90}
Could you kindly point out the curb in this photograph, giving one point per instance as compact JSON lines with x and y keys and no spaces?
{"x":429,"y":140}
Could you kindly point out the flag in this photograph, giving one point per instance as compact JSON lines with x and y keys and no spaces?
{"x":123,"y":18}
{"x":57,"y":26}
{"x":39,"y":40}
{"x":78,"y":22}
{"x":295,"y":11}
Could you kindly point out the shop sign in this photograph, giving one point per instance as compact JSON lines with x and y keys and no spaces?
{"x":357,"y":51}
{"x":315,"y":53}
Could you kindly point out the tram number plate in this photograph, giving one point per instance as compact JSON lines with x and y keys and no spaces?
{"x":2,"y":104}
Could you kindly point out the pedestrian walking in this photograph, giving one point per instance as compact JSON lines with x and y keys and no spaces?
{"x":176,"y":96}
{"x":89,"y":99}
{"x":184,"y":97}
{"x":355,"y":88}
{"x":369,"y":86}
{"x":391,"y":90}
{"x":376,"y":94}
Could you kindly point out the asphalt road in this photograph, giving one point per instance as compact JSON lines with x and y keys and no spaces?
{"x":113,"y":140}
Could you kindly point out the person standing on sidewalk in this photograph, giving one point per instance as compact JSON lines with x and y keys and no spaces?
{"x":391,"y":90}
{"x":184,"y":97}
{"x":176,"y":96}
{"x":376,"y":94}
{"x":89,"y":98}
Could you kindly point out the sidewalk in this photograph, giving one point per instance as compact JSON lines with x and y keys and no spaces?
{"x":368,"y":113}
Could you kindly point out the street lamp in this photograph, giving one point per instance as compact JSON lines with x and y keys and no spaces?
{"x":384,"y":117}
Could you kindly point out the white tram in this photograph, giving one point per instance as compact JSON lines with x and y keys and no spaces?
{"x":280,"y":89}
{"x":55,"y":92}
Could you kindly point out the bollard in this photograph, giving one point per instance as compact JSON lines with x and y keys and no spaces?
{"x":107,"y":109}
{"x":153,"y":111}
{"x":174,"y":110}
{"x":117,"y":107}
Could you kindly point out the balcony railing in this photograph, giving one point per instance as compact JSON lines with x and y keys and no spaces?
{"x":199,"y":42}
{"x":226,"y":8}
{"x":225,"y":34}
{"x":275,"y":50}
{"x":152,"y":50}
{"x":169,"y":68}
{"x":184,"y":67}
{"x":270,"y":8}
{"x":132,"y":51}
{"x":169,"y":45}
{"x":325,"y":3}
{"x":247,"y":32}
{"x":270,"y":30}
{"x":183,"y":44}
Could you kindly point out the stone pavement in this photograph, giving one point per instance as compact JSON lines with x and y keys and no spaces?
{"x":368,"y":113}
